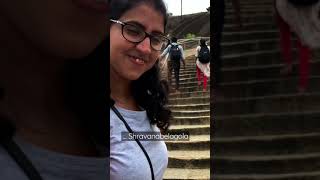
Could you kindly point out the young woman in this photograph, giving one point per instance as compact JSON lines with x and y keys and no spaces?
{"x":53,"y":87}
{"x":203,"y":63}
{"x":136,"y":38}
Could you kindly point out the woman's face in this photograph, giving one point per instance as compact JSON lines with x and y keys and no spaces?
{"x":125,"y":57}
{"x":62,"y":28}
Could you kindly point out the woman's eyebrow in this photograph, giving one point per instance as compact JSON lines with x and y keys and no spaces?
{"x":144,"y":28}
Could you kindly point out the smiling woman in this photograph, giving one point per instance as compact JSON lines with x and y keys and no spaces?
{"x":136,"y":39}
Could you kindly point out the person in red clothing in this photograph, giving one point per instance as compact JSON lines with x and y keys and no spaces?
{"x":203,"y":63}
{"x":298,"y":18}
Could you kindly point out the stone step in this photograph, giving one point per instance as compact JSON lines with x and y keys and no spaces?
{"x":259,"y":72}
{"x":249,"y":35}
{"x":188,"y":84}
{"x":187,"y":174}
{"x":300,"y":175}
{"x":254,"y":26}
{"x":249,"y":6}
{"x":189,"y":94}
{"x":230,"y":13}
{"x":193,"y":106}
{"x":190,"y":70}
{"x":251,"y":2}
{"x":250,"y":46}
{"x":187,"y":113}
{"x":265,"y":87}
{"x":190,"y":64}
{"x":190,"y":100}
{"x":247,"y":12}
{"x":187,"y":77}
{"x":266,"y":123}
{"x":259,"y":17}
{"x":187,"y":71}
{"x":270,"y":164}
{"x":191,"y":79}
{"x":192,"y":89}
{"x":265,"y":145}
{"x":189,"y":159}
{"x":268,"y":104}
{"x":191,"y":129}
{"x":196,"y":142}
{"x":190,"y":74}
{"x":260,"y":57}
{"x":190,"y":120}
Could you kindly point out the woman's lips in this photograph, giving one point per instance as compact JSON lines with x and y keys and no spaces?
{"x":100,"y":6}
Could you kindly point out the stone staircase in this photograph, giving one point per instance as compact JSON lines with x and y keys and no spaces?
{"x":191,"y":113}
{"x":263,"y":129}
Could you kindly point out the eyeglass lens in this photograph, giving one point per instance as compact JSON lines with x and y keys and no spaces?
{"x":136,"y":34}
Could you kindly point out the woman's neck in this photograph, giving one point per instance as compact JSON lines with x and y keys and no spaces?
{"x":121,"y":92}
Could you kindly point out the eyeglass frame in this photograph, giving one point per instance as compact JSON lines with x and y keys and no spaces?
{"x":150,"y":36}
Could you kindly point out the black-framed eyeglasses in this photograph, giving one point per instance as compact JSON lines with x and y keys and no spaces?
{"x":136,"y":34}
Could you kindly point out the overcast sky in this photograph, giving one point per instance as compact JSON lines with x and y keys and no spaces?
{"x":188,"y":6}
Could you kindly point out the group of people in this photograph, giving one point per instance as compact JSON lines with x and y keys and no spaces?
{"x":175,"y":55}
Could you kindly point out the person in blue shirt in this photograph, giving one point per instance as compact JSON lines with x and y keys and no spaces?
{"x":176,"y":55}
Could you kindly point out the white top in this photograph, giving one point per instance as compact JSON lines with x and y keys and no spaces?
{"x":127,"y":160}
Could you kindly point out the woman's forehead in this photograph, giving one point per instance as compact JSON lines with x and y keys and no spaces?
{"x":146,"y":16}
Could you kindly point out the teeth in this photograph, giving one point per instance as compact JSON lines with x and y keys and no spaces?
{"x":139,"y":60}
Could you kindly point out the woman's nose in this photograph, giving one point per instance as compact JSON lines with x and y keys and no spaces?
{"x":145,"y":46}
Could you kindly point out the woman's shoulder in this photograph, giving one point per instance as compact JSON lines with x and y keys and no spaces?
{"x":8,"y":167}
{"x":130,"y":116}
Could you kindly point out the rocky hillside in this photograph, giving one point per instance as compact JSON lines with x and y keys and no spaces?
{"x":197,"y":24}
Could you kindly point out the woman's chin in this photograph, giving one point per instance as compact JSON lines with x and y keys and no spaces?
{"x":134,"y":76}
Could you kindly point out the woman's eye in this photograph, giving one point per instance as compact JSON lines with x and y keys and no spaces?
{"x":134,"y":31}
{"x":156,"y":40}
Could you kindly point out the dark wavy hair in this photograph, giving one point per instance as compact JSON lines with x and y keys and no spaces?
{"x":149,"y":92}
{"x":85,"y":93}
{"x":86,"y":89}
{"x":174,"y":39}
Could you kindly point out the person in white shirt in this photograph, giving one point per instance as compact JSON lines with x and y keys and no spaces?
{"x":203,"y":63}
